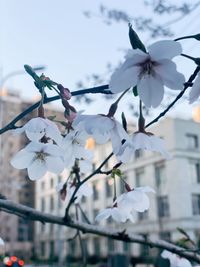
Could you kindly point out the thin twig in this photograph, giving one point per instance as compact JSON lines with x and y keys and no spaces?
{"x":94,"y":90}
{"x":162,"y":114}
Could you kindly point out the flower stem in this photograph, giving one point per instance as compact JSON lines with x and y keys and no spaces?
{"x":115,"y":190}
{"x":187,"y":56}
{"x":141,"y":120}
{"x":114,"y":106}
{"x":195,"y":36}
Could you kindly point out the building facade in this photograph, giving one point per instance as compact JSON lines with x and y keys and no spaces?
{"x":176,"y":202}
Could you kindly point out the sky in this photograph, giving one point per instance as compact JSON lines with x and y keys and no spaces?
{"x":58,"y":35}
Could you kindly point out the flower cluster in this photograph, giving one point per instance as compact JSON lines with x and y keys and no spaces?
{"x":49,"y":150}
{"x":147,"y":72}
{"x":124,"y":206}
{"x":175,"y":260}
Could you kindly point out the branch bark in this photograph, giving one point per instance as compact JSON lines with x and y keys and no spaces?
{"x":32,"y":214}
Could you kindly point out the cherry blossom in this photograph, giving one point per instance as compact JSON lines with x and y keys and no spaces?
{"x":195,"y":91}
{"x":84,"y":190}
{"x":73,"y":145}
{"x":39,"y":158}
{"x":39,"y":127}
{"x":102,"y":128}
{"x":141,"y":140}
{"x":135,"y":199}
{"x":175,"y":260}
{"x":116,"y":213}
{"x":150,"y":72}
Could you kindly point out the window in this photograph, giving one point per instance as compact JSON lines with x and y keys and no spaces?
{"x":51,"y":228}
{"x":192,"y":141}
{"x":97,"y":249}
{"x":95,"y":191}
{"x":51,"y":254}
{"x":111,"y":245}
{"x":160,"y":176}
{"x":195,"y":171}
{"x":42,"y":204}
{"x":126,"y":247}
{"x":139,"y":176}
{"x":196,"y":204}
{"x":51,"y":183}
{"x":108,"y":188}
{"x":42,"y":248}
{"x":144,"y":249}
{"x":51,"y":203}
{"x":142,"y":215}
{"x":165,"y":236}
{"x":163,"y":206}
{"x":95,"y":212}
{"x":42,"y":185}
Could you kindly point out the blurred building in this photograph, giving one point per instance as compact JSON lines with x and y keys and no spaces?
{"x":175,"y":204}
{"x":17,"y":232}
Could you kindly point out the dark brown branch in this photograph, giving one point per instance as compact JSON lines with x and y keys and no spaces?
{"x":32,"y":214}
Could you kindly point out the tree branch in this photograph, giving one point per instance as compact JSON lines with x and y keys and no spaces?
{"x":32,"y":214}
{"x":94,"y":90}
{"x":187,"y":84}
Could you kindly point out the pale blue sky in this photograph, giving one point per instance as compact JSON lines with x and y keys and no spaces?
{"x":57,"y":34}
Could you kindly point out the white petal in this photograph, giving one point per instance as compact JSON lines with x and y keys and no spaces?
{"x":126,"y":152}
{"x":151,"y":91}
{"x":85,"y":166}
{"x":53,"y":150}
{"x":173,"y":79}
{"x":195,"y":91}
{"x":142,"y":205}
{"x":34,"y":136}
{"x":53,"y":133}
{"x":145,"y":189}
{"x":17,"y":131}
{"x":103,"y":214}
{"x":117,"y":135}
{"x":157,"y":144}
{"x":123,"y":79}
{"x":141,"y":141}
{"x":37,"y":169}
{"x":118,"y":215}
{"x":22,"y":159}
{"x":164,"y":49}
{"x":35,"y":147}
{"x":54,"y":164}
{"x":136,"y":55}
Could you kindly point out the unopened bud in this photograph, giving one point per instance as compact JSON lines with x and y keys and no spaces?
{"x":65,"y":92}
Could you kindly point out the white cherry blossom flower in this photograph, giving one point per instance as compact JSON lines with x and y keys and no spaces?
{"x":144,"y":141}
{"x":73,"y":145}
{"x":135,"y":199}
{"x":116,"y":213}
{"x":39,"y":127}
{"x":39,"y":158}
{"x":195,"y":91}
{"x":102,"y":128}
{"x":150,"y":72}
{"x":175,"y":260}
